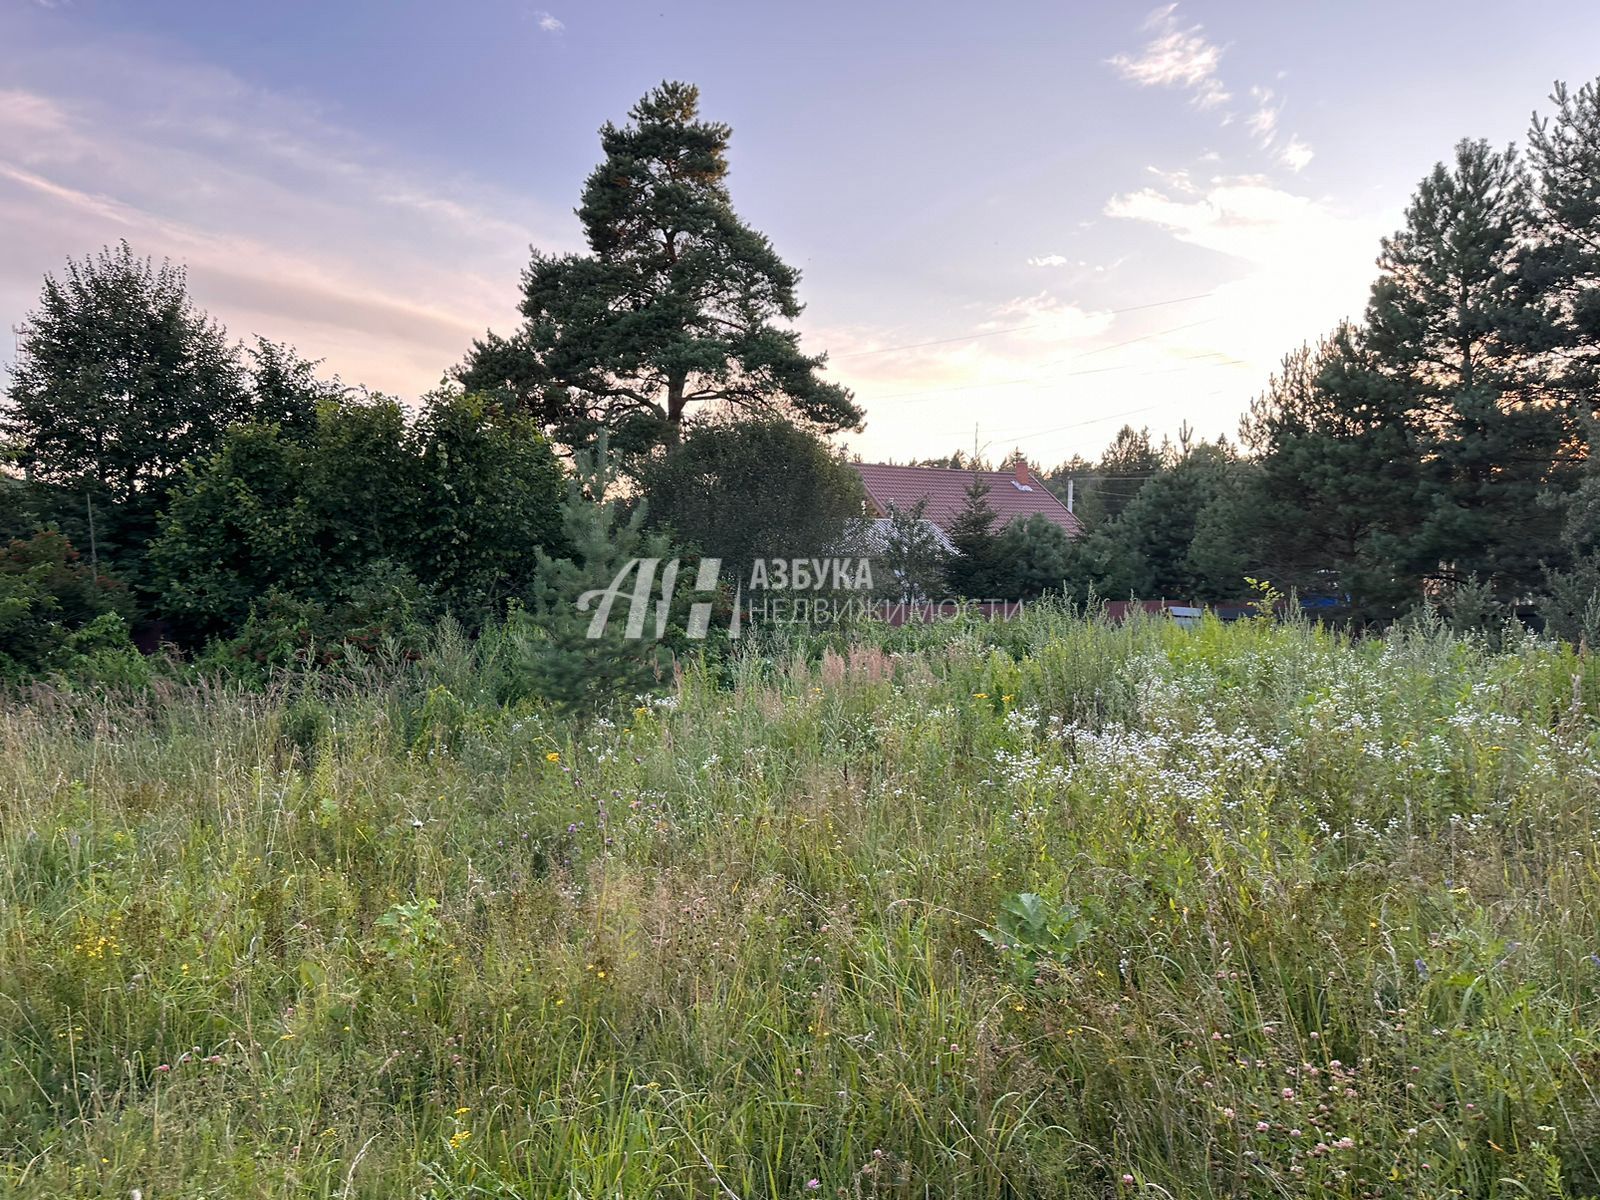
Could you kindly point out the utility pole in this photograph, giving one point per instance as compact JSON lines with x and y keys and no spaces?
{"x":94,"y":549}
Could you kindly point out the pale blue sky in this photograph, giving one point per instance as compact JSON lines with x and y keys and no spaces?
{"x":364,"y":178}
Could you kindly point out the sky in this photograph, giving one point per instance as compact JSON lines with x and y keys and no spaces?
{"x":1018,"y":225}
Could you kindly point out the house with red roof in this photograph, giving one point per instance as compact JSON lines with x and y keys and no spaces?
{"x":1013,"y":493}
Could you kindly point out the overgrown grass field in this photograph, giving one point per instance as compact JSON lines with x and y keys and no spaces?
{"x":1054,"y":908}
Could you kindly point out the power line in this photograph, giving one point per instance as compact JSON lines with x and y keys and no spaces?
{"x":1144,"y":337}
{"x":968,"y":337}
{"x":1007,"y":437}
{"x":1012,"y":437}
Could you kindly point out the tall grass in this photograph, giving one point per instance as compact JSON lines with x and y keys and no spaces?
{"x":1301,"y":918}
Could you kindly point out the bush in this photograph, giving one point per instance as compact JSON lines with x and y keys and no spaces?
{"x":49,"y":597}
{"x":742,"y":490}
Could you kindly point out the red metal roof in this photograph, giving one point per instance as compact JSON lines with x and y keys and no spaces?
{"x":946,"y":493}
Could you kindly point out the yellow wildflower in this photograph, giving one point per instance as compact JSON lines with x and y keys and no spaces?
{"x":553,"y":756}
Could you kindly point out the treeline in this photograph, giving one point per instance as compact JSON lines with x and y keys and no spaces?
{"x":226,"y":499}
{"x":1439,"y":452}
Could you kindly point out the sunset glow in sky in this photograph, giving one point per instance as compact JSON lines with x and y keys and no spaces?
{"x":1039,"y":220}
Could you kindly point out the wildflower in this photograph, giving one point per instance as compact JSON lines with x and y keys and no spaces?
{"x":980,"y":695}
{"x":463,"y":1111}
{"x":1127,"y":1180}
{"x":813,"y":1185}
{"x":1288,"y":1093}
{"x":553,"y":757}
{"x":163,"y":1069}
{"x":1262,"y":1126}
{"x":459,"y":1138}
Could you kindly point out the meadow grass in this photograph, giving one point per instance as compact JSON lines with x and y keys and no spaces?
{"x":1049,"y":908}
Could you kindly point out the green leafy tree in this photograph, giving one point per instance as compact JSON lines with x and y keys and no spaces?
{"x":241,"y":525}
{"x":489,"y":494}
{"x":285,"y":389}
{"x":119,"y":379}
{"x":677,"y":304}
{"x":361,"y":481}
{"x":747,"y":490}
{"x":303,"y":515}
{"x":462,"y":501}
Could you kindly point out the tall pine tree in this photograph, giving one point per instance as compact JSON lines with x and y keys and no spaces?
{"x":1561,"y":268}
{"x":1331,"y":504}
{"x":677,"y":304}
{"x":1450,"y":327}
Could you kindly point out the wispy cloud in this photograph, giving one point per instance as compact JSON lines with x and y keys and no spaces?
{"x":290,"y":227}
{"x":1295,"y":155}
{"x":1183,"y":57}
{"x":1049,"y":260}
{"x":548,"y":23}
{"x":1277,"y":241}
{"x":1263,"y":122}
{"x":1176,"y":57}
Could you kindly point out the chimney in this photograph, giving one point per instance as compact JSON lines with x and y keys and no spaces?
{"x":1021,"y":466}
